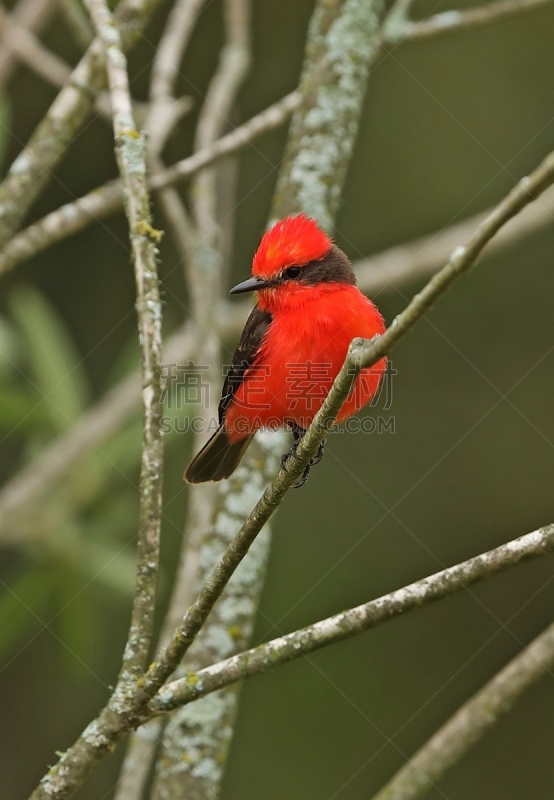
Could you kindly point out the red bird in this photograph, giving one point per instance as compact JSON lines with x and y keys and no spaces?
{"x":292,"y":347}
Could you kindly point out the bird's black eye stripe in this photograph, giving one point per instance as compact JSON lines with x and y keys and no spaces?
{"x":292,"y":272}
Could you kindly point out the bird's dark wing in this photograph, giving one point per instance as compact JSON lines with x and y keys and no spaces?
{"x":244,"y":356}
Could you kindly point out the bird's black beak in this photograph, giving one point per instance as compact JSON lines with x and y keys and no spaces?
{"x":250,"y":285}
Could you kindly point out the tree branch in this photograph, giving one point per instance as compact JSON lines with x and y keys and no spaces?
{"x":132,"y":166}
{"x":342,"y":43}
{"x":353,"y":622}
{"x":437,"y":24}
{"x":472,"y":721}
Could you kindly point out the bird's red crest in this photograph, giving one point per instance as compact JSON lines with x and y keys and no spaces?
{"x":291,"y":241}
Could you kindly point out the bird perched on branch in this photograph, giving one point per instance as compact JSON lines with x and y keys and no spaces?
{"x":292,"y":347}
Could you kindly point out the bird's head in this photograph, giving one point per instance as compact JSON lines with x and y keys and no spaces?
{"x":294,"y":259}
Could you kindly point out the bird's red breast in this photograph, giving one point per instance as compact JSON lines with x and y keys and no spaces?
{"x":301,"y":355}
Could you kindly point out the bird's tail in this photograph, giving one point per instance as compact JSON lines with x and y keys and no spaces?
{"x":218,"y":458}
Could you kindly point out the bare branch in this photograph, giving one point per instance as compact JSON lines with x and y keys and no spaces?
{"x":108,"y":199}
{"x":165,"y":110}
{"x":353,"y":622}
{"x":132,"y":167}
{"x":438,"y":24}
{"x":472,"y":721}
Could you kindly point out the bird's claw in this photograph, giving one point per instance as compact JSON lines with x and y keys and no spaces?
{"x":311,"y":463}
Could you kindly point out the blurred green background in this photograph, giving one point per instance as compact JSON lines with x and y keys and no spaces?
{"x":448,"y":127}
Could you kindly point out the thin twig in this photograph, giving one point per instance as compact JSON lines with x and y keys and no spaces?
{"x":108,"y":199}
{"x":132,"y":167}
{"x":437,"y":24}
{"x":354,"y":621}
{"x":472,"y":721}
{"x":165,"y":110}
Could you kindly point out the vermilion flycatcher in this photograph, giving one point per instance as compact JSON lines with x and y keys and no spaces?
{"x":292,"y":347}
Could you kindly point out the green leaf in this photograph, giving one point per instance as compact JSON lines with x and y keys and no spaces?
{"x":22,"y":602}
{"x":55,"y":365}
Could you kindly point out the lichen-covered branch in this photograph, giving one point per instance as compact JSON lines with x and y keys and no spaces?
{"x":472,"y":721}
{"x":108,"y":199}
{"x":342,"y":41}
{"x":196,"y":740}
{"x":352,"y":622}
{"x":132,"y":166}
{"x":31,"y":169}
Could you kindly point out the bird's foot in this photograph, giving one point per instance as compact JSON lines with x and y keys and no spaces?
{"x":311,"y":463}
